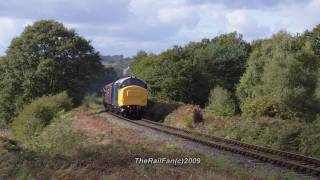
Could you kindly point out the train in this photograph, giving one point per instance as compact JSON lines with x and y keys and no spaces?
{"x":127,"y":96}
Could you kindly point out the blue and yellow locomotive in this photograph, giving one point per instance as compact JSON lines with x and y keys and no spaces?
{"x":127,"y":96}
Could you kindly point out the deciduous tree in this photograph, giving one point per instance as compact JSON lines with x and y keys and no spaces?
{"x":47,"y":58}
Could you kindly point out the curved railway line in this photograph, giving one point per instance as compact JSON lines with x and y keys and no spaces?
{"x":299,"y":163}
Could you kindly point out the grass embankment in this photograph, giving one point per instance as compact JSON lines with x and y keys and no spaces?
{"x":288,"y":135}
{"x":79,"y":144}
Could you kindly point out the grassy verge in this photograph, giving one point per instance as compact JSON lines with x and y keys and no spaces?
{"x":288,"y":135}
{"x":113,"y":161}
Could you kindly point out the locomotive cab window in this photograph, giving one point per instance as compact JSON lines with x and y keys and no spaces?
{"x":133,"y":81}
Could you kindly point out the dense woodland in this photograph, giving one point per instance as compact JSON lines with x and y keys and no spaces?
{"x":275,"y":77}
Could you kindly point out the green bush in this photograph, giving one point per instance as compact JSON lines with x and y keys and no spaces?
{"x":92,"y":101}
{"x":58,"y":138}
{"x":288,"y":135}
{"x":259,"y":106}
{"x":309,"y":139}
{"x":38,"y":114}
{"x":221,"y":102}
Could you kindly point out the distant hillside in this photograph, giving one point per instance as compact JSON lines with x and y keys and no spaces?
{"x":118,"y":62}
{"x":115,"y":59}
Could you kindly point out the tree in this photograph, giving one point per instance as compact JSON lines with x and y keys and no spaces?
{"x":188,"y":73}
{"x":146,"y":67}
{"x":221,"y":102}
{"x":314,"y":37}
{"x":281,"y":78}
{"x":47,"y":58}
{"x":176,"y":83}
{"x":223,"y":60}
{"x":107,"y":76}
{"x":137,"y":58}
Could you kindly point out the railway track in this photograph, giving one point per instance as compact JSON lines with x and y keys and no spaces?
{"x":299,"y":163}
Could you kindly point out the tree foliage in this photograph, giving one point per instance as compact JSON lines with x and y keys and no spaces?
{"x":270,"y":77}
{"x":47,"y":58}
{"x":223,"y":60}
{"x":188,"y":73}
{"x":314,"y":37}
{"x":221,"y":102}
{"x":281,"y":78}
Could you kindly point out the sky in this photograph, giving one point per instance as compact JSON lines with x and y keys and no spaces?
{"x":127,"y":26}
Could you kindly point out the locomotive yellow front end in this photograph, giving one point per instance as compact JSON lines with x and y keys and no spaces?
{"x":132,"y":96}
{"x":132,"y":101}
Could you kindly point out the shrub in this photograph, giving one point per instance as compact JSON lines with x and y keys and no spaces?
{"x":186,"y":116}
{"x":58,"y":138}
{"x":290,"y":139}
{"x":221,"y":103}
{"x":288,"y":135}
{"x":259,"y":106}
{"x":91,"y":99}
{"x":38,"y":114}
{"x":309,"y":139}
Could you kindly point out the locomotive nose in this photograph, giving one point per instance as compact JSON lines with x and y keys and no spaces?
{"x":132,"y":95}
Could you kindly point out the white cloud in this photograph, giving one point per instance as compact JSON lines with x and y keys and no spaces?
{"x":295,"y":18}
{"x":243,"y":22}
{"x":10,"y":28}
{"x":217,"y":19}
{"x":165,"y":12}
{"x":179,"y":14}
{"x":125,"y":26}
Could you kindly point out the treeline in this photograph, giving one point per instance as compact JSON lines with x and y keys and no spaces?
{"x":116,"y":62}
{"x":277,"y":77}
{"x":47,"y":59}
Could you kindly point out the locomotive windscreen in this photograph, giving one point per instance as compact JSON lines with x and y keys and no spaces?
{"x":133,"y":81}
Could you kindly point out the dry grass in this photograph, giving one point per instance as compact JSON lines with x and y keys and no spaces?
{"x":5,"y":133}
{"x":187,"y":116}
{"x":102,"y":132}
{"x":288,"y":135}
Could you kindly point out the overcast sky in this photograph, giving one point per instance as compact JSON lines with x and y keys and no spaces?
{"x":126,"y":26}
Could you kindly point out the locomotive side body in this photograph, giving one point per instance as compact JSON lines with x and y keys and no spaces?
{"x":127,"y":96}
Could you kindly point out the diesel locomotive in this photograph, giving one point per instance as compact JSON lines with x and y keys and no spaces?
{"x":127,"y":96}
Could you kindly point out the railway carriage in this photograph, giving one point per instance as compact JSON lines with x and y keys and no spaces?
{"x":127,"y":96}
